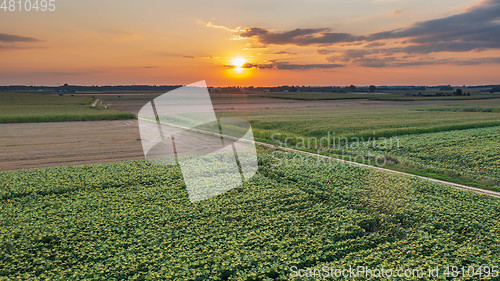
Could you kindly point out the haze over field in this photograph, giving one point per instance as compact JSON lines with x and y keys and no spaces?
{"x":298,"y":42}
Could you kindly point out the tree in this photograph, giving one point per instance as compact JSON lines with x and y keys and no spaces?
{"x":495,"y":89}
{"x":446,"y":88}
{"x":458,"y":92}
{"x":372,"y":89}
{"x":352,"y":88}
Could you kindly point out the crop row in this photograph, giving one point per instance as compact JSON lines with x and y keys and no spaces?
{"x":133,"y":220}
{"x":471,"y":154}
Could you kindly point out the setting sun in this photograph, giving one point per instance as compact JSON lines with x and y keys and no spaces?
{"x":238,"y":64}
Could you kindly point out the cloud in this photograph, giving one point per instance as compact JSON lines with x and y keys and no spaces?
{"x":17,"y":47}
{"x":286,"y":66}
{"x":283,"y":53}
{"x":308,"y":66}
{"x":397,"y":12}
{"x":15,"y":42}
{"x":325,"y":51}
{"x":216,"y":26}
{"x":298,"y":36}
{"x":475,"y":29}
{"x":378,"y":59}
{"x":476,"y":61}
{"x":374,"y":44}
{"x":259,"y":66}
{"x":253,"y":46}
{"x":449,"y":46}
{"x":9,"y":38}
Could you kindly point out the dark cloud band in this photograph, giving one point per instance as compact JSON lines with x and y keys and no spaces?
{"x":476,"y":29}
{"x":286,"y":66}
{"x":9,"y":38}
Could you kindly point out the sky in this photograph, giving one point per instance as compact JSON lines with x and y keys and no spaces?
{"x":259,"y":43}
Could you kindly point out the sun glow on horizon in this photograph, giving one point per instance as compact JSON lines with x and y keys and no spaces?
{"x":238,"y":64}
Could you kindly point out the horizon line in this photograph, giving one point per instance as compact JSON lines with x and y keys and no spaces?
{"x":249,"y":86}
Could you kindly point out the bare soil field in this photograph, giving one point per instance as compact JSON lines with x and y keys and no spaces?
{"x":39,"y":145}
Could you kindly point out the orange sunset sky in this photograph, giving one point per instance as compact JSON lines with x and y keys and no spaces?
{"x":260,"y":42}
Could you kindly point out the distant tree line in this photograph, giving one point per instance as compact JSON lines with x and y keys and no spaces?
{"x":457,"y":92}
{"x":164,"y":88}
{"x":495,"y":90}
{"x":333,"y":89}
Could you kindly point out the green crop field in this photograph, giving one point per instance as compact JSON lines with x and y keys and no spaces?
{"x":365,"y":121}
{"x":134,"y":220}
{"x":471,"y":154}
{"x":328,"y":129}
{"x":250,"y":140}
{"x":42,"y":107}
{"x":373,"y":96}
